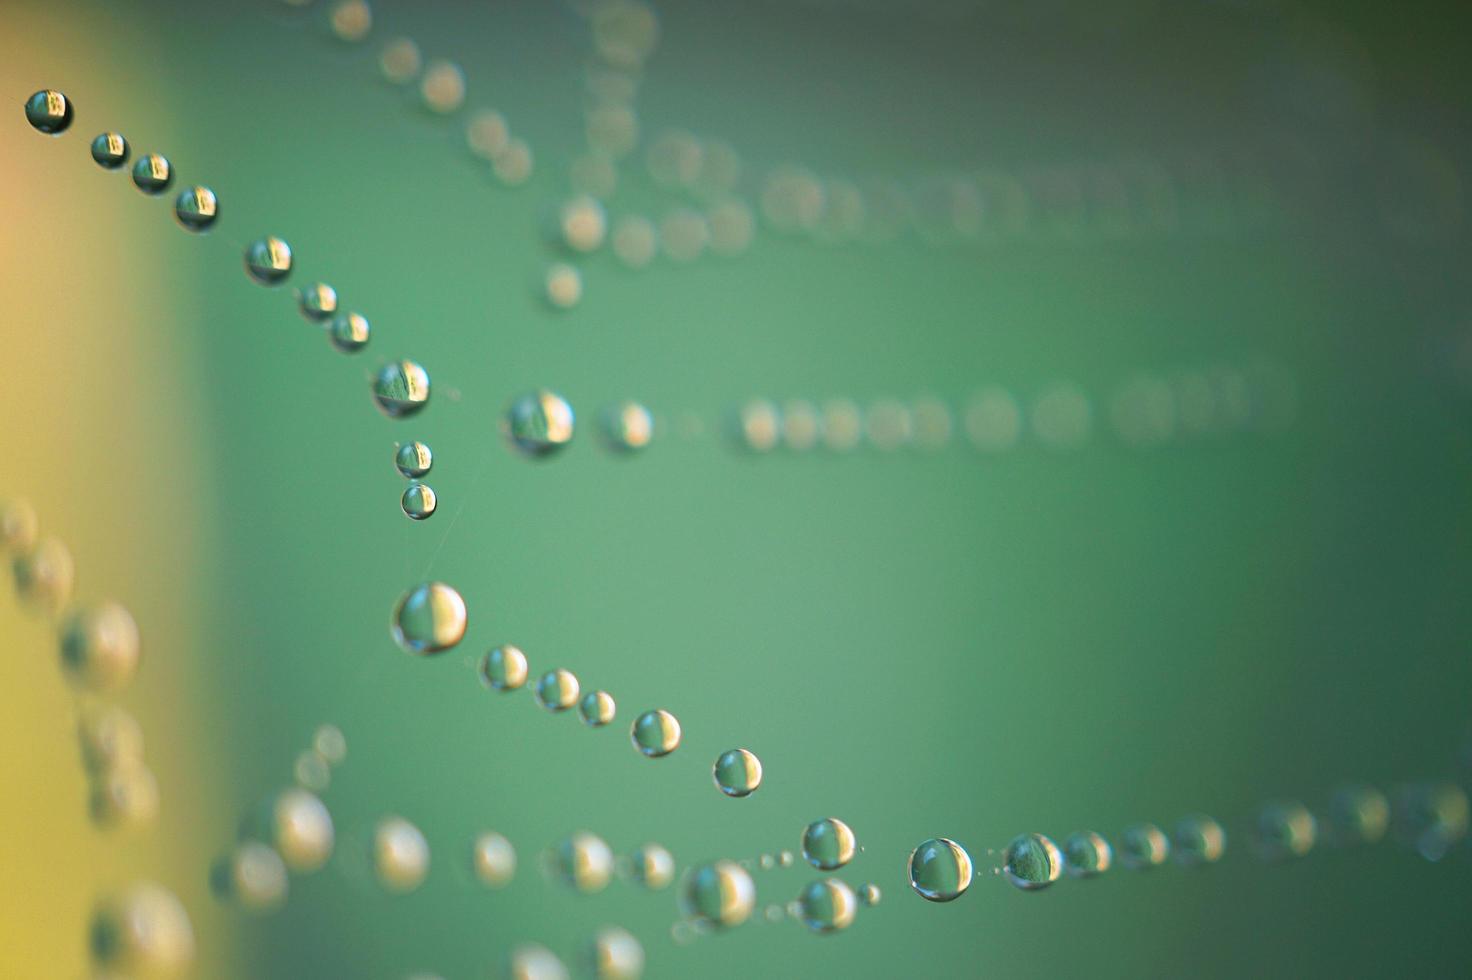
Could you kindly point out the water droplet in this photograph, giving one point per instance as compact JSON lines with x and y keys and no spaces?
{"x":869,"y":895}
{"x":1087,"y":854}
{"x":1032,"y":861}
{"x":627,"y":426}
{"x":652,"y":866}
{"x":635,"y":241}
{"x":801,"y":427}
{"x":932,"y":424}
{"x":532,"y":962}
{"x":45,"y":575}
{"x":19,"y":527}
{"x":760,"y":425}
{"x":349,"y":332}
{"x":443,"y":87}
{"x":153,"y":174}
{"x":889,"y":425}
{"x":738,"y":772}
{"x":766,"y":862}
{"x":197,"y":208}
{"x":513,"y":165}
{"x":110,"y":150}
{"x":267,"y":260}
{"x":993,"y":420}
{"x":311,"y":771}
{"x":318,"y":302}
{"x":330,"y":743}
{"x":488,"y":134}
{"x":843,"y":426}
{"x":656,"y":733}
{"x":100,"y":647}
{"x":940,"y":870}
{"x":251,"y":876}
{"x":1143,"y":846}
{"x":584,"y":224}
{"x":540,"y":422}
{"x":110,"y":739}
{"x":1198,"y":840}
{"x":1359,"y":814}
{"x":125,"y":797}
{"x":351,"y":20}
{"x":493,"y":859}
{"x":582,"y":861}
{"x":720,"y":895}
{"x":49,"y":111}
{"x":401,"y":388}
{"x":504,"y":668}
{"x":1284,"y":830}
{"x":413,"y":459}
{"x":298,"y":826}
{"x":786,"y":859}
{"x":564,"y":285}
{"x":557,"y":690}
{"x":400,"y":61}
{"x":143,"y":932}
{"x":400,"y":855}
{"x":617,"y":955}
{"x":828,"y":844}
{"x":1431,"y":818}
{"x":597,"y":708}
{"x":774,"y":913}
{"x":419,"y":501}
{"x":827,"y":905}
{"x":429,"y":618}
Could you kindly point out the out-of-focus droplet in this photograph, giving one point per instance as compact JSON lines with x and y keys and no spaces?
{"x":401,"y":388}
{"x":889,"y":424}
{"x":719,"y":895}
{"x":594,"y":174}
{"x":1062,"y":416}
{"x":252,"y":876}
{"x":932,"y":423}
{"x":1143,"y":846}
{"x":311,"y":771}
{"x":197,"y":208}
{"x":1198,"y":840}
{"x":349,"y":332}
{"x":19,"y":527}
{"x":1284,"y":829}
{"x":318,"y":302}
{"x":45,"y":575}
{"x":583,"y":224}
{"x":419,"y":501}
{"x":144,"y":932}
{"x":597,"y":708}
{"x":870,"y":895}
{"x":625,"y":32}
{"x":110,"y":150}
{"x":616,"y":955}
{"x":557,"y":690}
{"x":1087,"y":854}
{"x":827,"y":905}
{"x":488,"y":134}
{"x":627,"y":426}
{"x":351,"y":20}
{"x":732,"y":227}
{"x":268,"y":260}
{"x":843,"y":425}
{"x":540,"y":423}
{"x":442,"y":87}
{"x":400,"y":61}
{"x":1432,"y":817}
{"x":413,"y":459}
{"x":656,"y":733}
{"x":582,"y":861}
{"x":760,"y":425}
{"x":674,"y":158}
{"x":330,"y":743}
{"x":1359,"y":814}
{"x":563,"y":285}
{"x":684,"y":234}
{"x":828,"y":844}
{"x":533,"y":962}
{"x":400,"y":855}
{"x":1032,"y":861}
{"x":49,"y":111}
{"x":792,"y":200}
{"x":493,"y":859}
{"x":429,"y":618}
{"x":635,"y":241}
{"x":504,"y":668}
{"x":652,"y":866}
{"x":296,"y":823}
{"x":100,"y":648}
{"x":993,"y":420}
{"x":801,"y":426}
{"x":125,"y":797}
{"x":110,"y":737}
{"x":738,"y":772}
{"x":513,"y":165}
{"x":940,"y":870}
{"x":153,"y":174}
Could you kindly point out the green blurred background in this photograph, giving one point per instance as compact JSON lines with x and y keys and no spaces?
{"x":948,"y":644}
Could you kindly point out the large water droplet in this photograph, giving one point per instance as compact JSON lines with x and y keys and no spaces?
{"x":1032,"y":861}
{"x":721,"y":895}
{"x":540,"y":422}
{"x":656,"y":733}
{"x":738,"y":772}
{"x":827,"y":905}
{"x":940,"y":870}
{"x":110,"y":150}
{"x":1087,"y":854}
{"x":267,"y":260}
{"x":557,"y":690}
{"x":49,"y":111}
{"x":828,"y":844}
{"x":401,"y":388}
{"x":100,"y":647}
{"x":196,"y":208}
{"x":504,"y":668}
{"x":429,"y":618}
{"x":400,"y":855}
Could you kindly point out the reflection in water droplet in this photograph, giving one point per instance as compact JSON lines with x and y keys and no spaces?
{"x":616,"y":955}
{"x":252,"y":876}
{"x":152,"y":174}
{"x":125,"y":797}
{"x":540,"y":423}
{"x":940,"y":870}
{"x":110,"y":739}
{"x":419,"y":501}
{"x":45,"y":576}
{"x":828,"y":844}
{"x":627,"y":426}
{"x":738,"y":772}
{"x":110,"y":150}
{"x":1359,"y":814}
{"x":318,"y":302}
{"x":827,"y":905}
{"x":869,"y":895}
{"x":197,"y":208}
{"x":413,"y":459}
{"x":504,"y":668}
{"x":1032,"y":861}
{"x":429,"y":618}
{"x":533,"y":962}
{"x":557,"y":690}
{"x":720,"y":895}
{"x":1284,"y":829}
{"x":1198,"y":840}
{"x":656,"y":733}
{"x":401,"y":388}
{"x":267,"y":260}
{"x":652,"y":866}
{"x":49,"y":111}
{"x":349,"y":332}
{"x":298,"y":826}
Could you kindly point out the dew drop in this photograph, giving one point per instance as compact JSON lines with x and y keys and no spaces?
{"x":429,"y":618}
{"x":100,"y":647}
{"x":493,"y":859}
{"x":940,"y":870}
{"x":49,"y":111}
{"x":153,"y":174}
{"x":1198,"y":840}
{"x":627,"y":426}
{"x":1143,"y":846}
{"x":597,"y":708}
{"x":870,"y":895}
{"x":196,"y":208}
{"x":738,"y":772}
{"x":45,"y":576}
{"x":296,"y":823}
{"x":125,"y":797}
{"x":400,"y":855}
{"x":827,"y":905}
{"x":652,"y":866}
{"x":539,"y":423}
{"x":143,"y":932}
{"x":1283,"y":830}
{"x":349,"y":332}
{"x":720,"y":895}
{"x":504,"y":668}
{"x":1032,"y":861}
{"x":400,"y":61}
{"x":419,"y":501}
{"x":656,"y":733}
{"x":110,"y":738}
{"x":19,"y":527}
{"x":1087,"y":854}
{"x":616,"y":955}
{"x":443,"y":87}
{"x":828,"y":844}
{"x":318,"y":302}
{"x":1359,"y":814}
{"x":557,"y":690}
{"x":413,"y":459}
{"x":267,"y":260}
{"x":582,"y":861}
{"x":533,"y":962}
{"x":110,"y":150}
{"x":401,"y":388}
{"x":252,"y":876}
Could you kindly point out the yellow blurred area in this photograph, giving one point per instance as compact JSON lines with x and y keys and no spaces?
{"x":101,"y":412}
